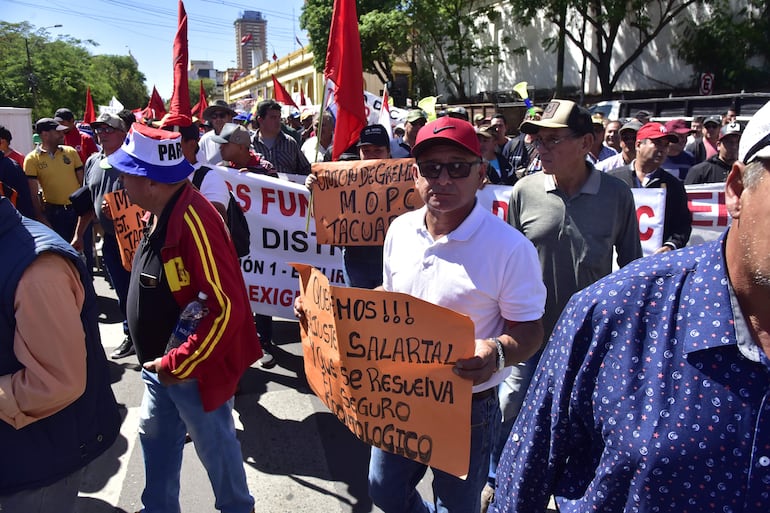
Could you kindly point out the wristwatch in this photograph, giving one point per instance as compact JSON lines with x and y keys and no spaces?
{"x":500,"y":354}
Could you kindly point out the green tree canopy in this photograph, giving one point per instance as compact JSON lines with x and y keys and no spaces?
{"x":46,"y":74}
{"x":382,"y":24}
{"x":446,"y":36}
{"x":593,"y":26}
{"x":734,"y":45}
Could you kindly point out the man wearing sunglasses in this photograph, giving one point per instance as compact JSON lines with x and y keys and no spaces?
{"x":454,"y":253}
{"x":218,"y":114}
{"x":576,"y":216}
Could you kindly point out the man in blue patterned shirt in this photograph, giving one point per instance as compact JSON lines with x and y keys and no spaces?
{"x":654,"y":392}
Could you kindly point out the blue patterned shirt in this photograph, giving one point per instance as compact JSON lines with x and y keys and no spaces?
{"x":651,"y":396}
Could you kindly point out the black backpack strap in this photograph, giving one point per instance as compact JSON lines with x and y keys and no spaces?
{"x":199,"y":175}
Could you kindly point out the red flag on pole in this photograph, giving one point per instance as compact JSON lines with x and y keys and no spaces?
{"x":199,"y":107}
{"x":345,"y":69}
{"x":89,"y":116}
{"x":155,"y":108}
{"x":281,"y":94}
{"x":179,"y":107}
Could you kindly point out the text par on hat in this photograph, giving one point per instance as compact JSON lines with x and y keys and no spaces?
{"x":152,"y":153}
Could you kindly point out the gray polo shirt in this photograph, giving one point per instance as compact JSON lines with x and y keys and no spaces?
{"x":575,"y":237}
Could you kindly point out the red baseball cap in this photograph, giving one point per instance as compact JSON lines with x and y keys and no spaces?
{"x":678,"y":126}
{"x":447,"y":130}
{"x":654,"y":131}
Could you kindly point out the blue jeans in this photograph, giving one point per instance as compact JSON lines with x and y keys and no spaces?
{"x":167,"y":413}
{"x":393,"y":479}
{"x":118,"y":275}
{"x":362,"y":266}
{"x":511,"y":393}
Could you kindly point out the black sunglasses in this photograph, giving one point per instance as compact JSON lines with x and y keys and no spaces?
{"x":454,"y":169}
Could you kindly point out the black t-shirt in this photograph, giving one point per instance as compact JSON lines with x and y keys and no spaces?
{"x":151,"y":310}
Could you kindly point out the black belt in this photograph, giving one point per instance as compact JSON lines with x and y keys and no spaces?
{"x":484,"y":394}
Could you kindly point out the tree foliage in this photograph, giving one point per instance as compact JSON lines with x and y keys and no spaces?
{"x":593,"y":26}
{"x":208,"y":87}
{"x":450,"y":36}
{"x":734,"y":45}
{"x":46,"y":74}
{"x":444,"y":35}
{"x":382,"y":25}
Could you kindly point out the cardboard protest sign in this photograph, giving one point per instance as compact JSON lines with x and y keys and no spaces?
{"x":127,"y":220}
{"x":354,"y":202}
{"x":382,"y":363}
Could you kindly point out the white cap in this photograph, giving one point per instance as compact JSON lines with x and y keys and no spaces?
{"x":755,"y":141}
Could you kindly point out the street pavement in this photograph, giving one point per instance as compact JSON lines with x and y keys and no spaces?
{"x":297,"y":455}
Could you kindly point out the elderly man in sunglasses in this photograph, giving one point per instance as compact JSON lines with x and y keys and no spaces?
{"x":218,"y":114}
{"x":575,"y":216}
{"x":455,"y":253}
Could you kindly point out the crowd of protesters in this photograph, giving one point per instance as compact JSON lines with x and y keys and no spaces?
{"x":640,"y":390}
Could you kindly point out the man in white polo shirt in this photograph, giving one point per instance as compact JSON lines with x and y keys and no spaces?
{"x":455,"y":253}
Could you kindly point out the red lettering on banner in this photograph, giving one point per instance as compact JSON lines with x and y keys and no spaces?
{"x":647,"y":211}
{"x":500,"y":209}
{"x":242,"y":193}
{"x":271,"y":295}
{"x":712,"y":204}
{"x":289,"y":202}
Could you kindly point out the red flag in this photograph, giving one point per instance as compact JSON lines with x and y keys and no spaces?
{"x":302,"y":99}
{"x":245,"y":39}
{"x":179,"y":107}
{"x":155,"y":109}
{"x":345,"y":69}
{"x":89,"y":116}
{"x":281,"y":94}
{"x":199,"y":107}
{"x":275,"y":57}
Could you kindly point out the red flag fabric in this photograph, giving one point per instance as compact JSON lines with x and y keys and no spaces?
{"x":156,"y":107}
{"x":89,"y":115}
{"x":179,"y":107}
{"x":345,"y":69}
{"x":199,"y":107}
{"x":302,"y":99}
{"x":275,"y":57}
{"x":281,"y":94}
{"x":245,"y":39}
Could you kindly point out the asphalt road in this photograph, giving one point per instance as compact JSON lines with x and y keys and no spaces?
{"x":297,"y":456}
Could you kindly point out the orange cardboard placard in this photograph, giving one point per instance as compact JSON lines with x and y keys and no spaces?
{"x":382,"y":363}
{"x":127,"y":219}
{"x":354,"y":202}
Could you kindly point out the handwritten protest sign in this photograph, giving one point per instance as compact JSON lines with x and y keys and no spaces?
{"x":355,"y":202}
{"x":382,"y":363}
{"x":127,"y":219}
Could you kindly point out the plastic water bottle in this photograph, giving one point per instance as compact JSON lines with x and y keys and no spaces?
{"x":188,"y":321}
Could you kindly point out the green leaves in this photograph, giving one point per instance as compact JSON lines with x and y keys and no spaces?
{"x":46,"y":74}
{"x":732,"y":44}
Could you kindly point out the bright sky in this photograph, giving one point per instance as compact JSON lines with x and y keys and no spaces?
{"x":147,"y":29}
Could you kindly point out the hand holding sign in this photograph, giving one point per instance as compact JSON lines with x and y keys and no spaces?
{"x":382,"y":362}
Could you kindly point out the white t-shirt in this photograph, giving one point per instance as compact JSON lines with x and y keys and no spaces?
{"x":309,"y":149}
{"x":485,"y":269}
{"x":208,"y":152}
{"x":213,"y":186}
